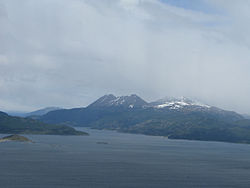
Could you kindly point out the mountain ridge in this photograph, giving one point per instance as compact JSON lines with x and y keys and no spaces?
{"x":175,"y":103}
{"x":42,"y":111}
{"x":189,"y":120}
{"x":38,"y":112}
{"x":110,"y":100}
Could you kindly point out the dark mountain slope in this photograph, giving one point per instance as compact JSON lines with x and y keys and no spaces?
{"x":17,"y":125}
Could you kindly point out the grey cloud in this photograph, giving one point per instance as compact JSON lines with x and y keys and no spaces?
{"x":68,"y":53}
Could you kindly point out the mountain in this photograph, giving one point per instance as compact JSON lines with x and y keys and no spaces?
{"x":42,"y":111}
{"x":18,"y":125}
{"x":132,"y":101}
{"x":186,"y":105}
{"x":17,"y":113}
{"x":177,"y":103}
{"x":39,"y":112}
{"x":176,"y":118}
{"x":108,"y":105}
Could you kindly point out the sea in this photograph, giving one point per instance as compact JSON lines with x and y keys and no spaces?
{"x":109,"y":159}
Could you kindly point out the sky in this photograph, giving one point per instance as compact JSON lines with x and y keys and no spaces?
{"x":67,"y":53}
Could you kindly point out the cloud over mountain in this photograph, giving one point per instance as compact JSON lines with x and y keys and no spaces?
{"x":67,"y":53}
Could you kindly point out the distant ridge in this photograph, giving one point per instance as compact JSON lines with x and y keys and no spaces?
{"x":42,"y":111}
{"x":39,"y":112}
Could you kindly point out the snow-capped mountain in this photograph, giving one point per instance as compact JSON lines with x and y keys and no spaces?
{"x":179,"y":118}
{"x":177,"y":103}
{"x":185,"y":105}
{"x":132,"y":101}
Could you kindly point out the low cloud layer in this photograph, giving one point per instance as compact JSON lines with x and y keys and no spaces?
{"x":68,"y":53}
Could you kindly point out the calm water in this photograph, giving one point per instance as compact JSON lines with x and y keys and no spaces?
{"x":126,"y":161}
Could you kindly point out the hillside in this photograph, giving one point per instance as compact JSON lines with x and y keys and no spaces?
{"x":17,"y":125}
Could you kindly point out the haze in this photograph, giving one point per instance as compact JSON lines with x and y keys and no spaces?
{"x":67,"y":53}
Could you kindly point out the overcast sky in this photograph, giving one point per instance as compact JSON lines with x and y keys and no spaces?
{"x":67,"y":53}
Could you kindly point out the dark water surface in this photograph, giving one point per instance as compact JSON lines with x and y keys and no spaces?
{"x":110,"y":159}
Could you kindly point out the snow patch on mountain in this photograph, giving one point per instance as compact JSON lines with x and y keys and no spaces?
{"x":131,"y":101}
{"x":177,"y":103}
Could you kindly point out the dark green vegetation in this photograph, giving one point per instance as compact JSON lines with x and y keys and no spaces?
{"x":16,"y":138}
{"x":17,"y":125}
{"x":191,"y":122}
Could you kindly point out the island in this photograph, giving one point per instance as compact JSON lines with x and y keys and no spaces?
{"x":15,"y":137}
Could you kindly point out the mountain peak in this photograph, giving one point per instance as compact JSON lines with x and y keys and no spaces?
{"x":177,"y":103}
{"x":131,"y":101}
